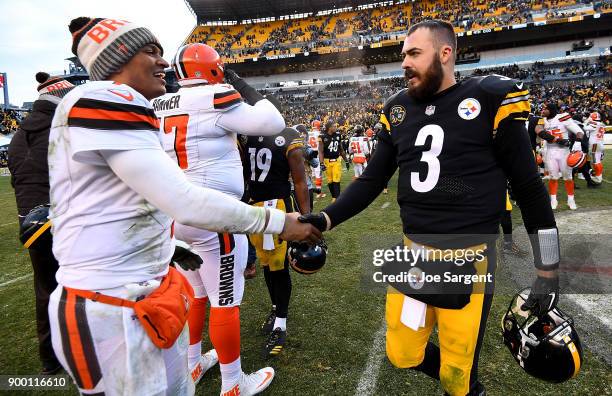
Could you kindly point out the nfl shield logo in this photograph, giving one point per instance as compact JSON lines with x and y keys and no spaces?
{"x":429,"y":110}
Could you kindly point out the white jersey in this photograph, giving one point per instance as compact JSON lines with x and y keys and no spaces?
{"x":191,"y":135}
{"x":560,"y":127}
{"x":595,"y":130}
{"x":104,"y":233}
{"x":313,"y":139}
{"x":359,"y":147}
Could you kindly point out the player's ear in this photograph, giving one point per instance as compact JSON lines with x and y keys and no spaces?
{"x":446,"y":54}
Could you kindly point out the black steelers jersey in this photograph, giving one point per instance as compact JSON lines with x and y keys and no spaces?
{"x":533,"y":121}
{"x":450,"y":181}
{"x":268,"y":167}
{"x":331,"y":144}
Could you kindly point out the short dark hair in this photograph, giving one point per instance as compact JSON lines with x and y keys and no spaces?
{"x":443,"y":32}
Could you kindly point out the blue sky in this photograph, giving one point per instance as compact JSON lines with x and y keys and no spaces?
{"x":34,"y":34}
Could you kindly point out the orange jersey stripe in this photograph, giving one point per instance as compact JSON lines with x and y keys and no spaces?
{"x":227,"y":99}
{"x":75,"y":341}
{"x":97,"y":114}
{"x":228,"y":245}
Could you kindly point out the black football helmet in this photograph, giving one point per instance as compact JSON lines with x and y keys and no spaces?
{"x":307,"y":259}
{"x":358,"y":130}
{"x":546,"y":347}
{"x":301,"y":128}
{"x":35,"y":231}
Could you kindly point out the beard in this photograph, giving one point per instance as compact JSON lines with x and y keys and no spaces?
{"x":429,"y":82}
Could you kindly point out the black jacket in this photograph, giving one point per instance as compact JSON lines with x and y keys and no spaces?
{"x":27,"y":157}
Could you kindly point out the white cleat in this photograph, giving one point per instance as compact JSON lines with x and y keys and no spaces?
{"x":207,"y":360}
{"x":571,"y":203}
{"x":553,"y":203}
{"x":252,"y":384}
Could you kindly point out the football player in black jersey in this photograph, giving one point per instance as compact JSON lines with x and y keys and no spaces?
{"x":330,"y":150}
{"x":455,"y":144}
{"x":271,"y":160}
{"x":535,"y":126}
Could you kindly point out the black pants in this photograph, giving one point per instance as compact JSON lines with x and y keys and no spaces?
{"x":45,"y":266}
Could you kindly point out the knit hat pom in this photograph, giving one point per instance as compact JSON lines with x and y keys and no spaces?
{"x":41,"y":77}
{"x":77,"y":23}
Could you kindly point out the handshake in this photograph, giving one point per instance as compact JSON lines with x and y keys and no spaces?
{"x":304,"y":228}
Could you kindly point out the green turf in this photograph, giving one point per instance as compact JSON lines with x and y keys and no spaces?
{"x":331,"y":324}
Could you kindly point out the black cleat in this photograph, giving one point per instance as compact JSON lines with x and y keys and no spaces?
{"x":51,"y":367}
{"x":593,"y":185}
{"x":268,"y":324}
{"x":477,"y":389}
{"x":275,"y":343}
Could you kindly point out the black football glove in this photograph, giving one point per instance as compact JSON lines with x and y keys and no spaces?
{"x":323,"y":168}
{"x":231,"y":76}
{"x":348,"y":166}
{"x":318,"y":220}
{"x":543,"y":297}
{"x":185,"y":258}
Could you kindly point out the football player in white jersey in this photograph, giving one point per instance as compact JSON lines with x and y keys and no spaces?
{"x":114,"y":192}
{"x":359,"y":146}
{"x":199,"y":124}
{"x":560,"y":125}
{"x":596,"y":130}
{"x":313,"y":142}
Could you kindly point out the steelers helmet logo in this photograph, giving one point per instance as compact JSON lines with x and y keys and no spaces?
{"x":469,"y":109}
{"x":397,"y":114}
{"x":279,"y":141}
{"x":416,"y":280}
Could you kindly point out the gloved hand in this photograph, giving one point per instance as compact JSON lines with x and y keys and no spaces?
{"x":185,"y":258}
{"x":316,"y":219}
{"x":231,"y":76}
{"x":577,"y":146}
{"x":348,"y":166}
{"x":543,"y":297}
{"x":563,"y":142}
{"x":323,"y":168}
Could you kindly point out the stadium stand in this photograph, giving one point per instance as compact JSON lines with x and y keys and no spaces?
{"x":364,"y":108}
{"x":9,"y":121}
{"x":367,"y":25}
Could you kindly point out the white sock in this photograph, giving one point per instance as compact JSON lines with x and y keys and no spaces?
{"x":280,"y":322}
{"x":570,"y":197}
{"x":230,"y":374}
{"x":193,"y":354}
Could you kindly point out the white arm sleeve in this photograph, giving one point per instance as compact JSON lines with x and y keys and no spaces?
{"x":152,"y":174}
{"x":573,"y":127}
{"x":262,"y":119}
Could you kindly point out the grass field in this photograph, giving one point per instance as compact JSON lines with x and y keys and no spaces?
{"x":333,"y":321}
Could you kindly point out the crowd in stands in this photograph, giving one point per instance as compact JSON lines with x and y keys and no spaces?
{"x":9,"y":121}
{"x":352,"y":28}
{"x":361,"y":104}
{"x":540,"y":71}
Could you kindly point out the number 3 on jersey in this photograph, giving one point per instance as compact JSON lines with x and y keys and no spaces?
{"x":261,"y":160}
{"x":177,"y":124}
{"x":430,"y":157}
